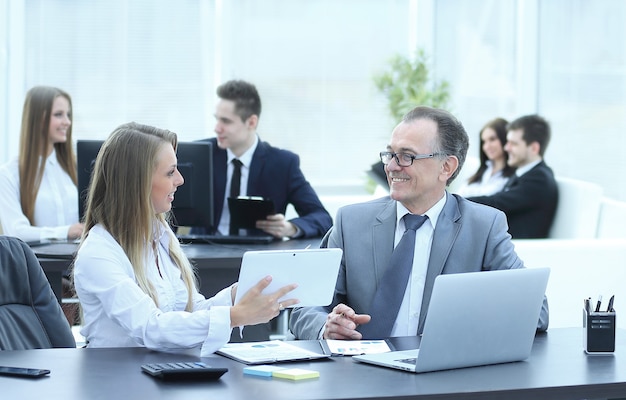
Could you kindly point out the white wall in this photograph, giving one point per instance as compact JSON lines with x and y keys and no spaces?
{"x":579,"y":268}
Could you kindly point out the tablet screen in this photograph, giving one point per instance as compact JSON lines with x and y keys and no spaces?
{"x":314,"y":270}
{"x":245,"y":211}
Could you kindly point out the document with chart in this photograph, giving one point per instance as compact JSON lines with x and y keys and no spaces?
{"x":267,"y":352}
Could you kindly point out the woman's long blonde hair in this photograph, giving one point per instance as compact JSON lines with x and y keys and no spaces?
{"x":119,"y":199}
{"x":34,"y":144}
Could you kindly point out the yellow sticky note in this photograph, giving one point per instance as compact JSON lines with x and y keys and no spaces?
{"x":296,"y":374}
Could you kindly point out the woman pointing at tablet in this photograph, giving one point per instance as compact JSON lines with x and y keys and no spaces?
{"x":135,"y":285}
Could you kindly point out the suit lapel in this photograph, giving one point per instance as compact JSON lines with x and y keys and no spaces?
{"x":444,"y":237}
{"x":512,"y":181}
{"x":256,"y":167}
{"x":382,"y":238}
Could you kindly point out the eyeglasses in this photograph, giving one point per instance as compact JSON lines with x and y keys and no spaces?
{"x":404,"y":159}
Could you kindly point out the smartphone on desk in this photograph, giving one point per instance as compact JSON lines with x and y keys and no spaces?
{"x":24,"y":372}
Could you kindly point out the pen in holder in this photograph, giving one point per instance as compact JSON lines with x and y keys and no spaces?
{"x":598,"y":330}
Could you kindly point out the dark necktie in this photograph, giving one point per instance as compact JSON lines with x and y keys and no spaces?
{"x":510,"y":183}
{"x":388,"y":298}
{"x":235,"y":184}
{"x":235,"y":180}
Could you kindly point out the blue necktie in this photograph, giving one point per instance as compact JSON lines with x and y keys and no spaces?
{"x":388,"y":298}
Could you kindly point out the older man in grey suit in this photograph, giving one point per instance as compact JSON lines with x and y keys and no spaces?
{"x":426,"y":152}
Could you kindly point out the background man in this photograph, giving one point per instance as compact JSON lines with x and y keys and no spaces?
{"x":266,"y":171}
{"x":530,"y":197}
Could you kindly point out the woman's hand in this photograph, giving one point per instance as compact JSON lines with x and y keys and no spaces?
{"x":256,"y":307}
{"x":75,"y":231}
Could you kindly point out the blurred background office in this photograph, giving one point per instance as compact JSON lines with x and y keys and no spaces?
{"x":158,"y":62}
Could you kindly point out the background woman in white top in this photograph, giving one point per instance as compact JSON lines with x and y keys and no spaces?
{"x":493,"y":172}
{"x":135,"y":285}
{"x":38,"y":196}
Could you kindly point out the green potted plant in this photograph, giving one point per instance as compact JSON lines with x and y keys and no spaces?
{"x":407,"y":83}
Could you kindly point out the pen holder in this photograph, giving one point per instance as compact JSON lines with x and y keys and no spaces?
{"x":598,"y":332}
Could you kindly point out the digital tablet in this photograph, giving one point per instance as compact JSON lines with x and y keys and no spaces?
{"x":314,"y":270}
{"x":246,"y":210}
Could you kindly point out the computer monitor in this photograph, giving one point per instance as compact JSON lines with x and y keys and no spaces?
{"x":193,"y":201}
{"x":86,"y":153}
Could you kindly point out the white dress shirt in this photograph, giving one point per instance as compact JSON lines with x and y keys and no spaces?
{"x":246,"y":160}
{"x":408,"y":316}
{"x":117,"y":313}
{"x":489,"y":183}
{"x":525,"y":168}
{"x":56,"y":206}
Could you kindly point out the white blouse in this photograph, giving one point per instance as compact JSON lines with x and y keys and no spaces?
{"x":56,"y":205}
{"x":117,"y":313}
{"x":489,"y":184}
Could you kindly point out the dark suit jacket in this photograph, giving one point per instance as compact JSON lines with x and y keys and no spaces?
{"x":274,"y":174}
{"x":468,"y":238}
{"x":529,"y":202}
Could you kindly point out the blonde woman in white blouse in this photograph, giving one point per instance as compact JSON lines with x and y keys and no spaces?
{"x":493,"y":172}
{"x":39,"y":199}
{"x":135,"y":285}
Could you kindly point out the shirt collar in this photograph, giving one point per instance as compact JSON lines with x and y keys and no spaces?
{"x":159,"y":230}
{"x":432,"y":213}
{"x":246,"y":158}
{"x":525,"y":168}
{"x":52,"y":158}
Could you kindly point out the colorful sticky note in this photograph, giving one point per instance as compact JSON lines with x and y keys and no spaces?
{"x":295,"y":374}
{"x":261,"y":370}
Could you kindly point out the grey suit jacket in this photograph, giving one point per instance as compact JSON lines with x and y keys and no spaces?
{"x":468,"y":237}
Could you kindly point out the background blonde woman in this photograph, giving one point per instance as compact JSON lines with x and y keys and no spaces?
{"x":135,"y":285}
{"x":39,"y":199}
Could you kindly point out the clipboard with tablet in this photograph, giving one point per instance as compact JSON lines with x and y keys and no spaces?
{"x":246,"y":210}
{"x":314,"y":270}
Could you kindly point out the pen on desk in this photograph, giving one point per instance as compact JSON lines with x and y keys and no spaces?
{"x":306,"y":248}
{"x":598,"y":303}
{"x":609,"y":308}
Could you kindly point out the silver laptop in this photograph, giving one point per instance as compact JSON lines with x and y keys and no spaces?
{"x":475,"y":318}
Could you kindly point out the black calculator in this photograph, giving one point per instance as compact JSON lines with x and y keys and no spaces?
{"x":183,"y":371}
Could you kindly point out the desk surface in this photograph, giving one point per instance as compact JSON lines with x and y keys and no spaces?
{"x":65,"y":251}
{"x":557,"y":369}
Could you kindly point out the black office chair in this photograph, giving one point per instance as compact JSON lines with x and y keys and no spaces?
{"x":30,"y":314}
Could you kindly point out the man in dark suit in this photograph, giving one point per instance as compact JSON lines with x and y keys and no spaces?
{"x":530,"y":197}
{"x":426,"y":152}
{"x":265,"y":171}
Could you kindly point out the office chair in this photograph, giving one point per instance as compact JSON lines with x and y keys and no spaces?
{"x":30,"y":315}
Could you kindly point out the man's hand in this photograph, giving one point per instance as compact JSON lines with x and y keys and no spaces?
{"x":277,"y":226}
{"x":342,"y":322}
